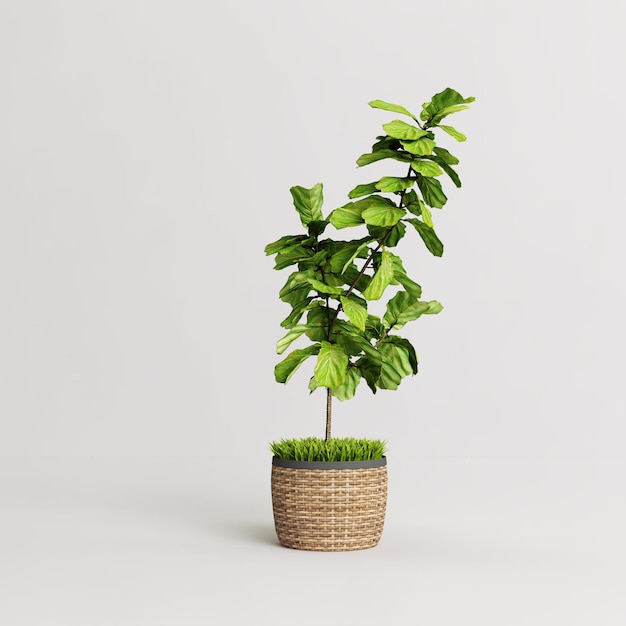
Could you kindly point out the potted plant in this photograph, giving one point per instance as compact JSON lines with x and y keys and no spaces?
{"x":330,"y":494}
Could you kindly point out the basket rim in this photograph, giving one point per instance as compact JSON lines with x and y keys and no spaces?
{"x":329,"y":465}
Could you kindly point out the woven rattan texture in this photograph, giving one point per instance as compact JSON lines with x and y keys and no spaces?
{"x":329,"y":510}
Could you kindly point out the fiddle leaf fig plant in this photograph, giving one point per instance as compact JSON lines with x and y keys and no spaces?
{"x":335,"y":281}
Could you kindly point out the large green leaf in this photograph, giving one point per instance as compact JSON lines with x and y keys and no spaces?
{"x":287,"y":367}
{"x":453,"y":132}
{"x":381,"y":215}
{"x":427,"y":216}
{"x":317,"y":323}
{"x":296,"y":312}
{"x":356,"y":313}
{"x":403,"y":308}
{"x":317,"y":227}
{"x":356,"y":341}
{"x":318,"y":285}
{"x":420,"y":147}
{"x":394,"y":183}
{"x":363,"y":190}
{"x":351,"y":275}
{"x":379,"y":155}
{"x":447,"y":169}
{"x":347,"y":215}
{"x":296,"y":281}
{"x":293,"y":255}
{"x":290,"y":337}
{"x":448,"y":158}
{"x":413,"y":202}
{"x":428,"y":235}
{"x":308,"y":202}
{"x":401,"y":276}
{"x":391,"y":238}
{"x":432,"y":192}
{"x":396,"y":365}
{"x":370,"y":371}
{"x":332,"y":362}
{"x":347,"y":390}
{"x":426,"y":168}
{"x":351,"y":214}
{"x":406,"y":345}
{"x":401,"y":130}
{"x":381,"y":279}
{"x":386,"y":143}
{"x":443,"y":103}
{"x":387,"y":106}
{"x":344,"y":252}
{"x":283,"y":243}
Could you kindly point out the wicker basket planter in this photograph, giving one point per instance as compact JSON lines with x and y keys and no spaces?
{"x":329,"y":507}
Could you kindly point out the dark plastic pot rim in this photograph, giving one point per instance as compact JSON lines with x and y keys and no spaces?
{"x":329,"y":465}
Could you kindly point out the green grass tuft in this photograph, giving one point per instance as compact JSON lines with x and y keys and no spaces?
{"x":314,"y":449}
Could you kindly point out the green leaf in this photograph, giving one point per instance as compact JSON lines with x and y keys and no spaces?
{"x":379,"y":155}
{"x":296,"y":312}
{"x":413,"y":202}
{"x":396,"y":365}
{"x":434,"y":307}
{"x":444,"y":103}
{"x":287,"y":367}
{"x":350,"y":214}
{"x":406,"y":345}
{"x":355,"y":340}
{"x":347,"y":215}
{"x":317,"y":323}
{"x":427,"y":216}
{"x":429,"y":236}
{"x":318,"y":285}
{"x":363,"y":190}
{"x":387,"y":106}
{"x":394,"y":183}
{"x":383,"y":215}
{"x":308,"y":202}
{"x":432,"y":192}
{"x":380,"y":232}
{"x":356,"y":313}
{"x":401,"y":130}
{"x":453,"y":132}
{"x":381,"y":279}
{"x":448,"y":170}
{"x":317,"y":227}
{"x":293,"y":255}
{"x":290,"y":337}
{"x":426,"y":168}
{"x":332,"y":362}
{"x":347,"y":390}
{"x":421,"y":147}
{"x":403,"y":308}
{"x":401,"y":276}
{"x":370,"y":372}
{"x":296,"y":280}
{"x":344,"y":253}
{"x":386,"y":143}
{"x":282,"y":243}
{"x":445,"y":156}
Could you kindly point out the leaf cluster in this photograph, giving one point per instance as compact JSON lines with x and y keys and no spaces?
{"x":314,"y":449}
{"x":333,"y":281}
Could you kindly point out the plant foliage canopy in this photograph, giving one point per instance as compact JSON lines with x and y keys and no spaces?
{"x":333,"y":281}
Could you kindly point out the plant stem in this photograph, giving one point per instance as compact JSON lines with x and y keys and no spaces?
{"x":329,"y":410}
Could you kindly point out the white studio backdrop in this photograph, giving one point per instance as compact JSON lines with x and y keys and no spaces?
{"x":146,"y":152}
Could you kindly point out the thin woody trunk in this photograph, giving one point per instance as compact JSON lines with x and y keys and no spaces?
{"x":329,"y":410}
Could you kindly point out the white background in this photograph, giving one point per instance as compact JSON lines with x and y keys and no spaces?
{"x":146,"y":152}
